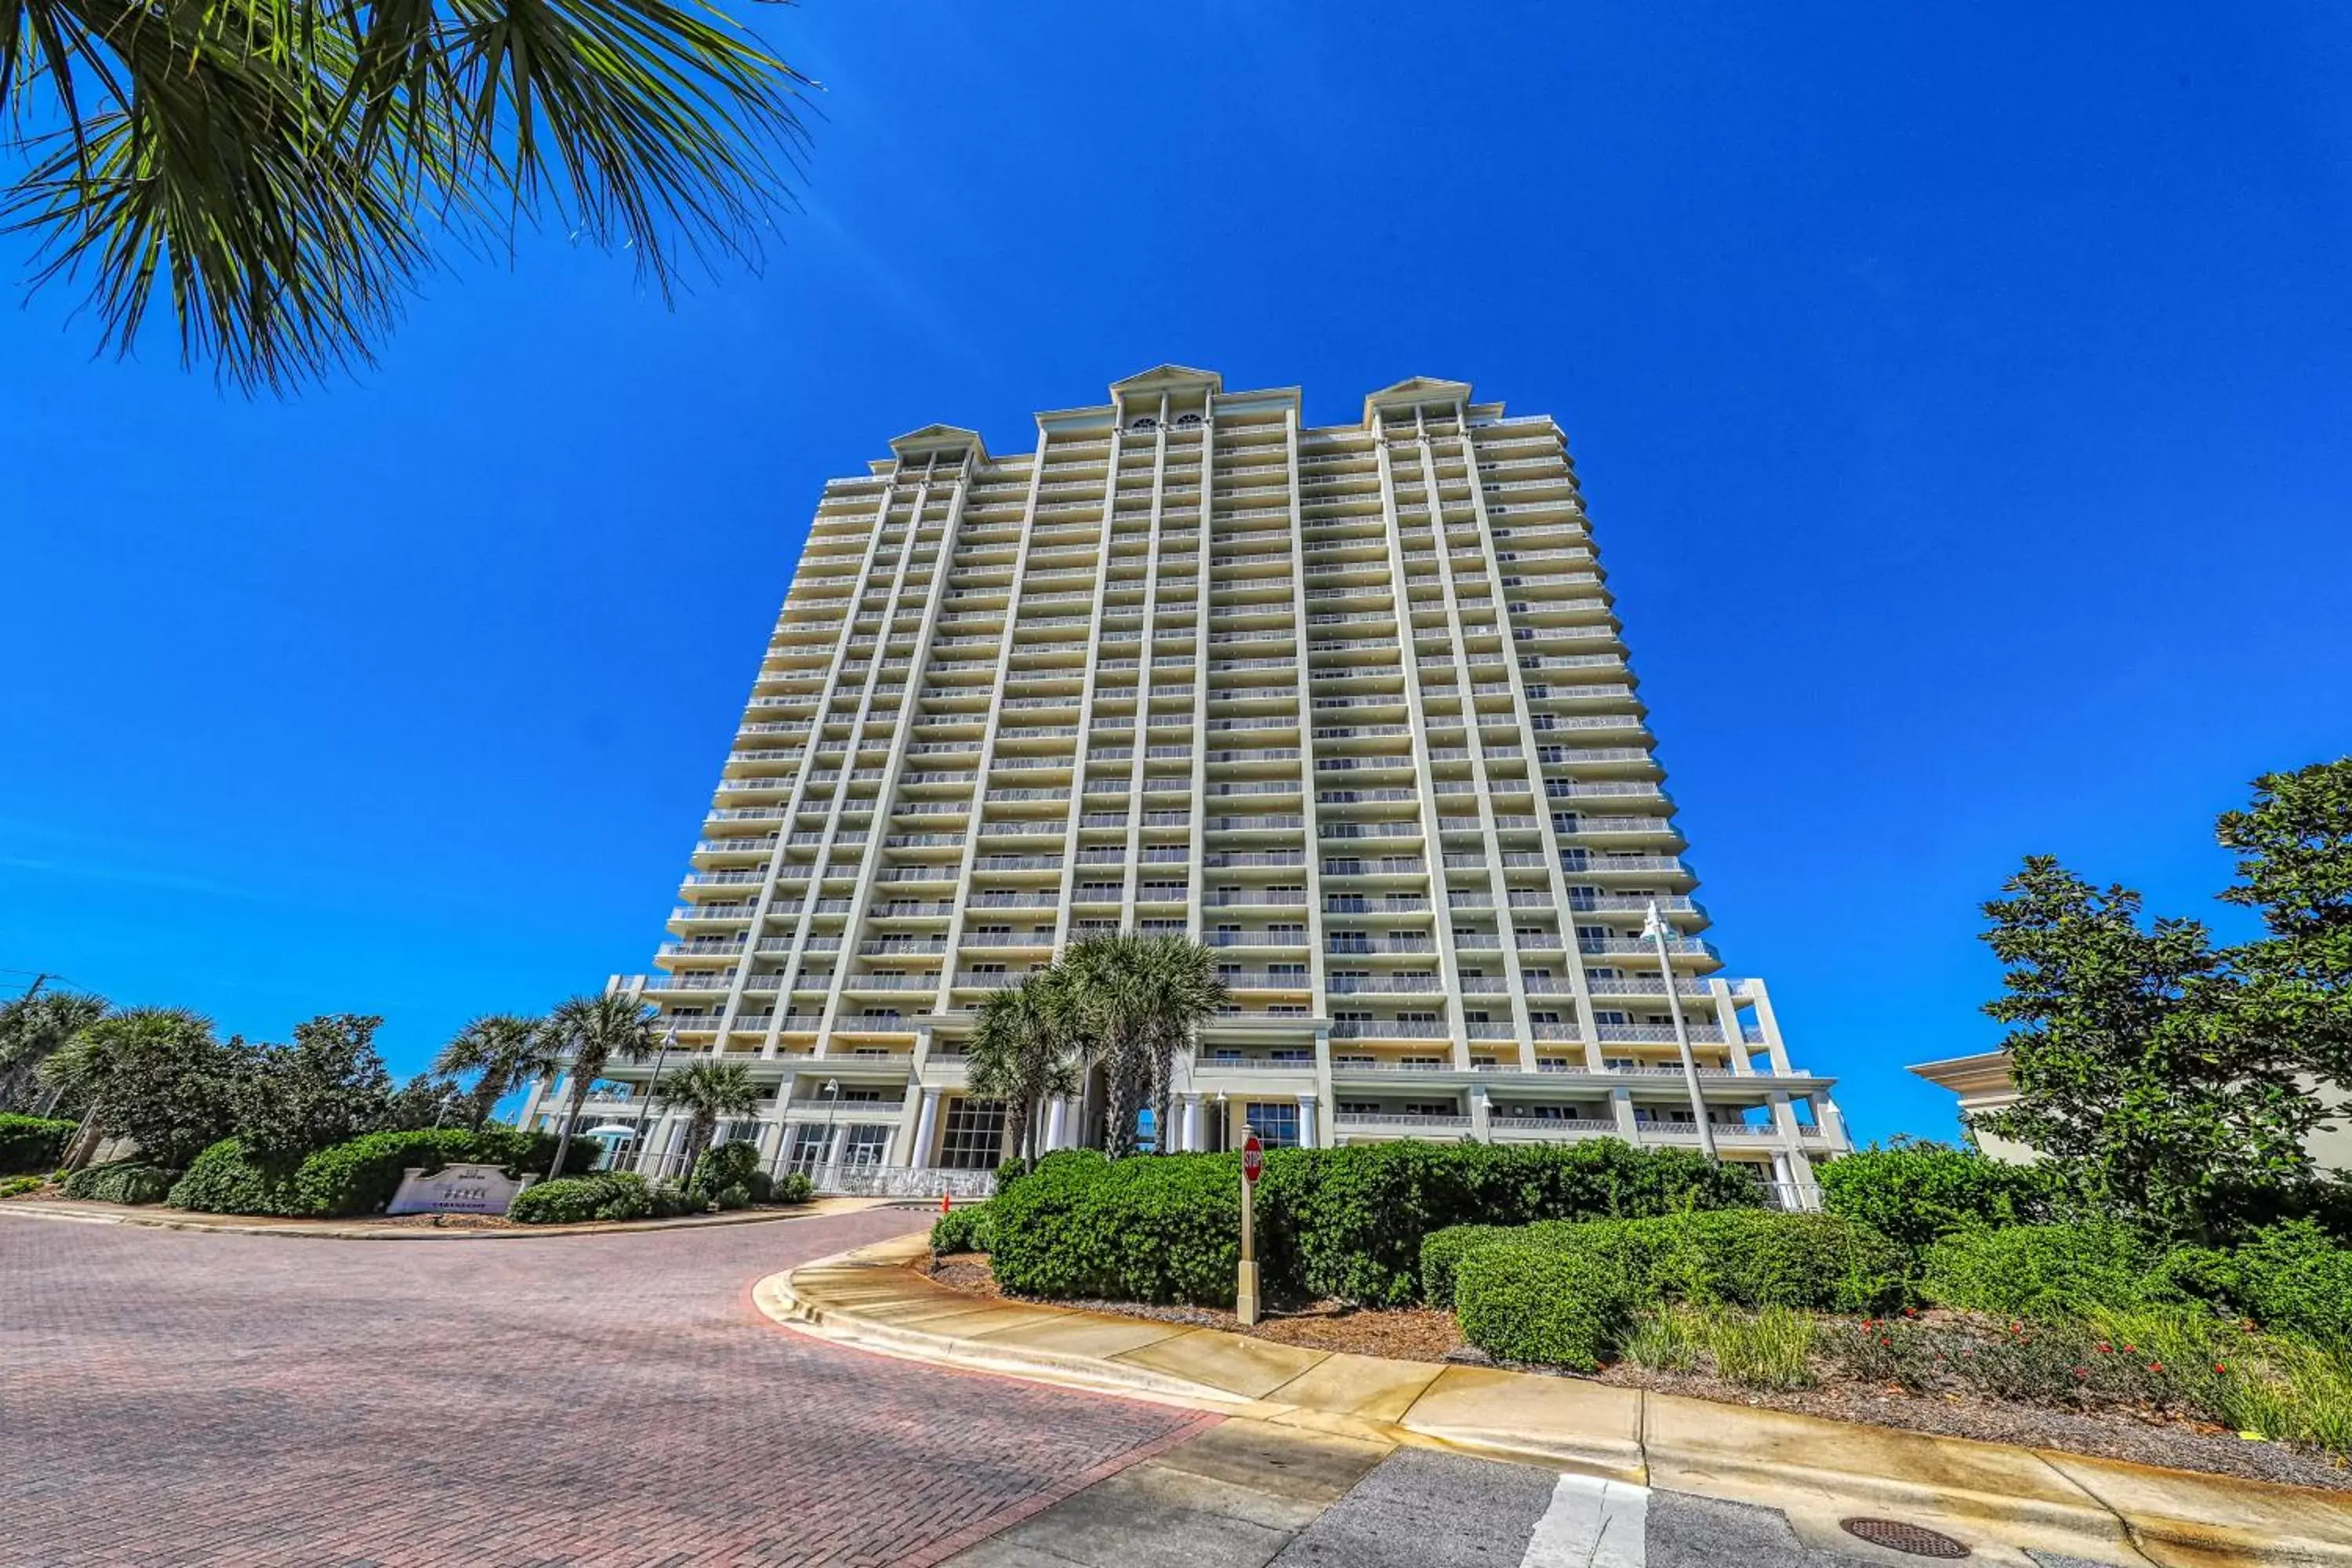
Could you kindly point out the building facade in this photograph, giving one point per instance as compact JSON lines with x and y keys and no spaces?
{"x":1348,"y":704}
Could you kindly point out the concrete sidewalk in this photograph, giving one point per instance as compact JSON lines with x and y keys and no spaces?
{"x":1815,"y":1471}
{"x":84,"y":1212}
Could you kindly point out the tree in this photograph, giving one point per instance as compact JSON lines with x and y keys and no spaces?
{"x":503,"y":1051}
{"x":1108,"y":1008}
{"x":1024,"y":1051}
{"x":2136,"y":1073}
{"x":587,"y":1034}
{"x":284,"y":173}
{"x":709,"y":1090}
{"x":158,"y":1076}
{"x":1137,"y":1001}
{"x":427,"y":1101}
{"x":326,"y":1088}
{"x":1180,"y":991}
{"x":2294,"y":870}
{"x":34,"y":1028}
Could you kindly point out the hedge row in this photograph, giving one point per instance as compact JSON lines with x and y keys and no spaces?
{"x":605,"y":1195}
{"x":30,"y":1144}
{"x":2292,"y":1278}
{"x":1563,"y":1293}
{"x":121,"y":1182}
{"x":1916,"y":1194}
{"x":360,"y":1176}
{"x":1332,"y":1223}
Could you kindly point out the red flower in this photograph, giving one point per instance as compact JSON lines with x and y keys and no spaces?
{"x":2105,"y":1349}
{"x":1910,"y":1312}
{"x":2156,"y":1366}
{"x":2219,"y":1367}
{"x":1885,"y":1341}
{"x":2082,"y":1372}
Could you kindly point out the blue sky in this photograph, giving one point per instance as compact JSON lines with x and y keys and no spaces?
{"x":1961,"y":394}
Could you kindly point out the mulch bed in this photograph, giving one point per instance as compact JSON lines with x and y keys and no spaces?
{"x":1429,"y":1334}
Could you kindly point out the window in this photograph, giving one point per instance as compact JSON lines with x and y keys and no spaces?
{"x":864,"y":1146}
{"x":974,"y":1139}
{"x":1276,"y":1124}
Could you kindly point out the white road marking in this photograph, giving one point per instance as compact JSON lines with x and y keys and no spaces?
{"x":1591,"y":1523}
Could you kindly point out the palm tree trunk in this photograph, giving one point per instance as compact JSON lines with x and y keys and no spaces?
{"x":86,"y":1139}
{"x":563,"y":1137}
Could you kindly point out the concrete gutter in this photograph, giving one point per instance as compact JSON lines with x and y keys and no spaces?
{"x":345,"y":1230}
{"x":1817,"y":1471}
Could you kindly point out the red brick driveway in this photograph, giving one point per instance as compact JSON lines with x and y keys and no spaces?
{"x":168,"y":1397}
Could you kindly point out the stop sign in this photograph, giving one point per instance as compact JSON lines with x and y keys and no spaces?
{"x":1253,"y":1157}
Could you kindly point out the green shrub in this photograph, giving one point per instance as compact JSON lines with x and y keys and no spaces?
{"x":2291,"y":1278}
{"x":762,"y":1187}
{"x":1744,"y":1257}
{"x":1441,"y":1249}
{"x":792,"y":1187}
{"x":729,"y":1164}
{"x":960,"y":1230}
{"x":1349,"y":1223}
{"x":601,"y":1196}
{"x":1344,"y":1223}
{"x":360,"y":1176}
{"x":1527,"y":1301}
{"x":736,"y":1195}
{"x":31,"y":1144}
{"x":16,"y":1186}
{"x":1159,"y":1229}
{"x":1917,"y":1193}
{"x":575,"y":1200}
{"x":2038,"y":1270}
{"x":224,"y":1180}
{"x":121,"y":1182}
{"x":1760,"y":1258}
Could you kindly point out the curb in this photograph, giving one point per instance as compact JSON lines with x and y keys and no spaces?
{"x":299,"y":1230}
{"x":2079,"y":1512}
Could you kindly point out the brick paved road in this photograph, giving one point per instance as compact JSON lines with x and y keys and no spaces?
{"x":168,"y":1397}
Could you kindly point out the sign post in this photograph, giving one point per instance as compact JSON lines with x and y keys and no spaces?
{"x":1245,"y":1292}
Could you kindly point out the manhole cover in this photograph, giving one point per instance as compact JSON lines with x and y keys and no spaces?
{"x":1916,"y":1539}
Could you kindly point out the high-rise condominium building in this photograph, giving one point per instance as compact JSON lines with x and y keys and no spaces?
{"x":1348,"y":704}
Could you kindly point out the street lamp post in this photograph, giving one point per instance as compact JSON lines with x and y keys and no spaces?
{"x":1653,"y":926}
{"x":832,"y":1108}
{"x":637,"y":1134}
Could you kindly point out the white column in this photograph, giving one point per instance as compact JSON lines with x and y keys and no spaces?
{"x":1481,"y":1113}
{"x":1727,"y":1018}
{"x":1309,"y":1137}
{"x":530,"y":1103}
{"x":1621,"y":1105}
{"x":1193,"y":1143}
{"x":926,"y":1123}
{"x":1058,"y":1125}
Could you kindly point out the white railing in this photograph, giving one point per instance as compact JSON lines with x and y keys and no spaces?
{"x":901,"y":1182}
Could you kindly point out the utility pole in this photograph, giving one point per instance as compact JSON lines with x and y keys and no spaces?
{"x":1653,"y":926}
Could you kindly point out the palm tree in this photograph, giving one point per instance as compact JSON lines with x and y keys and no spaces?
{"x":1098,"y":973}
{"x":33,"y":1028}
{"x":1022,"y":1050}
{"x":709,"y":1090}
{"x":506,"y":1050}
{"x":1177,"y":978}
{"x":284,"y":173}
{"x":588,"y":1033}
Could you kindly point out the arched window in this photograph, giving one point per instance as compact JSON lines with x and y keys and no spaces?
{"x":1145,"y":423}
{"x":1187,"y":422}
